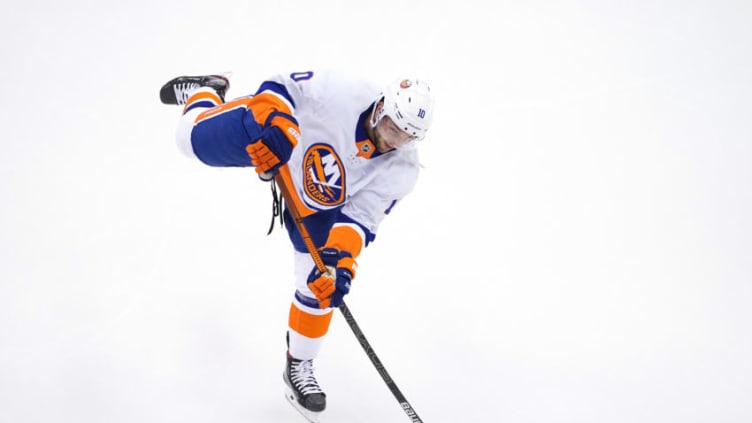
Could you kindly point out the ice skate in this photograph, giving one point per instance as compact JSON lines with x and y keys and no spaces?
{"x":302,"y":390}
{"x":177,"y":90}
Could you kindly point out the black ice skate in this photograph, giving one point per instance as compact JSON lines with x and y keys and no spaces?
{"x":177,"y":90}
{"x":303,"y":391}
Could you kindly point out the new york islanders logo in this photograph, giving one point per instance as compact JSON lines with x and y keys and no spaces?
{"x":324,"y":175}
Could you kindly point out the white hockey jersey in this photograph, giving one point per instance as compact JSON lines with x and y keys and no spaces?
{"x":339,"y":176}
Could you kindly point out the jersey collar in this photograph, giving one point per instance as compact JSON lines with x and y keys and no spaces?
{"x":366,"y":147}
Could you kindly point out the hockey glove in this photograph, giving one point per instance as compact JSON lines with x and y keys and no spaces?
{"x":332,"y":286}
{"x":274,"y":147}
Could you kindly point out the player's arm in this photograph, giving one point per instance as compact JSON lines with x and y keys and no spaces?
{"x":278,"y":132}
{"x":347,"y":239}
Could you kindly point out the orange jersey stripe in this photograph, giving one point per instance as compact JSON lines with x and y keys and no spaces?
{"x":261,"y":106}
{"x":310,"y":325}
{"x":241,"y":102}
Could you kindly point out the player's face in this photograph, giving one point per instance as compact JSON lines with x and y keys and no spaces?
{"x":389,"y":136}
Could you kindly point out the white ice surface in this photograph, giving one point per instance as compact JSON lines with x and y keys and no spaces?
{"x":578,"y":248}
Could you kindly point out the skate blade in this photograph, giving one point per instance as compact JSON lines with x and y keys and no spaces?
{"x":311,"y":416}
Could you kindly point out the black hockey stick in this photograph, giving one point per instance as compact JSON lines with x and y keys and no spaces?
{"x":282,"y":178}
{"x":377,"y":364}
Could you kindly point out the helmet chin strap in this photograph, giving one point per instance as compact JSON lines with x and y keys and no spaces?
{"x":374,"y":118}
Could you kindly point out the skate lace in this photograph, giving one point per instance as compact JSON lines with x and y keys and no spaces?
{"x":301,"y":374}
{"x":184,"y":90}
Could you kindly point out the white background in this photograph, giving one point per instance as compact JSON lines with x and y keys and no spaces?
{"x":577,"y":248}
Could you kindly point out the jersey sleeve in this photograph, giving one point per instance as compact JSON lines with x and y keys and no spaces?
{"x":293,"y":88}
{"x":360,"y":217}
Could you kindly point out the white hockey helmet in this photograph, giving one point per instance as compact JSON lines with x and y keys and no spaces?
{"x":409,"y":103}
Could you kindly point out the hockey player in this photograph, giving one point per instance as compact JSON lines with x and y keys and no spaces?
{"x":347,"y":148}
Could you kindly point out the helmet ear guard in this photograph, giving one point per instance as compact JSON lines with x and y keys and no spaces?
{"x":409,"y":104}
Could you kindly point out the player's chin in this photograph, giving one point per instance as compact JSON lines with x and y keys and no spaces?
{"x":382,"y":145}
